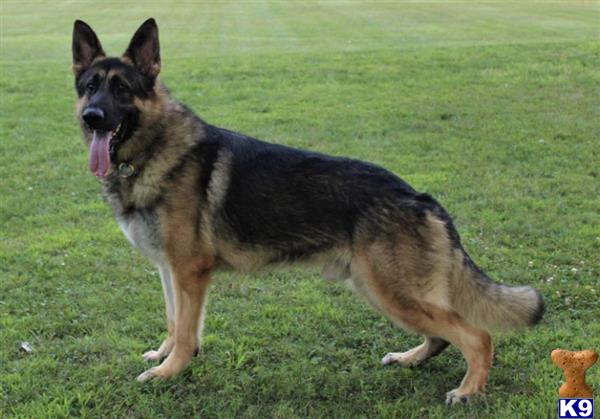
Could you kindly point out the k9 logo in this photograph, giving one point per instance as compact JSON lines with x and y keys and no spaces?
{"x":575,"y":408}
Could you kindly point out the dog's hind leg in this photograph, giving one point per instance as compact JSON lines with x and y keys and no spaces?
{"x":395,"y":299}
{"x":169,"y":295}
{"x":190,"y":286}
{"x":431,"y":347}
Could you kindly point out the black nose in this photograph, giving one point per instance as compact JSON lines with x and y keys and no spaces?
{"x":93,"y":117}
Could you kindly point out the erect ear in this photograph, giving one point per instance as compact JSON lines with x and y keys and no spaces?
{"x":86,"y":47}
{"x":144,"y":50}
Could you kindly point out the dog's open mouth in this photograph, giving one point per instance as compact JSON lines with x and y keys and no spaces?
{"x":100,"y":151}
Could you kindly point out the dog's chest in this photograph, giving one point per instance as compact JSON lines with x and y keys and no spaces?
{"x":142,"y":229}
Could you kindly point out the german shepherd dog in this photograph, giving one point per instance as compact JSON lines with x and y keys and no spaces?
{"x":195,"y":198}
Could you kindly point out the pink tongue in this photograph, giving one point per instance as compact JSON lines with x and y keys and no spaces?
{"x":99,"y":154}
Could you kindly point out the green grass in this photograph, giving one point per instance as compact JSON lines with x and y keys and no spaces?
{"x":493,"y":108}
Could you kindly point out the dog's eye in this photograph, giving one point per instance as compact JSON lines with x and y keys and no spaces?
{"x":91,"y":87}
{"x":122,"y":87}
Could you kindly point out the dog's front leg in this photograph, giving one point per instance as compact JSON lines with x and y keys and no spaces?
{"x":169,"y":294}
{"x":190,"y":290}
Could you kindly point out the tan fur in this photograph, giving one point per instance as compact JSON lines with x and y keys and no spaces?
{"x":217,"y":189}
{"x":191,"y":275}
{"x":489,"y":305}
{"x":191,"y":289}
{"x":79,"y":105}
{"x":127,"y":60}
{"x":112,"y":73}
{"x":376,"y":283}
{"x":79,"y":68}
{"x":181,"y":135}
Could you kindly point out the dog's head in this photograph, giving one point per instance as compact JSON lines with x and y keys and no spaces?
{"x":113,"y":92}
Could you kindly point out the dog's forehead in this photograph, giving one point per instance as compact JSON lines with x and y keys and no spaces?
{"x":112,"y":66}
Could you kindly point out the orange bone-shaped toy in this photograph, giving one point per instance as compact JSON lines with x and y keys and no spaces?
{"x":574,"y":365}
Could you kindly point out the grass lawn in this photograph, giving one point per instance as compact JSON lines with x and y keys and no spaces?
{"x":493,"y":108}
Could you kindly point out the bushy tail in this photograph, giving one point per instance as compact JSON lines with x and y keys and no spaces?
{"x":492,"y":306}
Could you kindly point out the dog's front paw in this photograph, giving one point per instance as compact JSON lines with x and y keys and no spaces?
{"x":152,"y":356}
{"x":162,"y":352}
{"x":389,"y":359}
{"x":399,"y":358}
{"x":455,"y":397}
{"x":151,"y":374}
